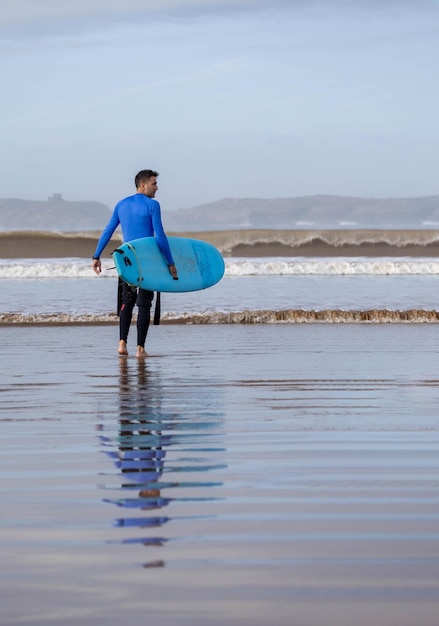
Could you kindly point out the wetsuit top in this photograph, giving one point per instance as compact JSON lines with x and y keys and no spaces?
{"x":139,"y":216}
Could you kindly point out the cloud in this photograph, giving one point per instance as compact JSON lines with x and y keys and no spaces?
{"x":26,"y":18}
{"x":22,"y":11}
{"x":20,"y":14}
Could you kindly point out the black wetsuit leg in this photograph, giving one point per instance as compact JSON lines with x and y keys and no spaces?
{"x":128,"y":300}
{"x":144,"y":301}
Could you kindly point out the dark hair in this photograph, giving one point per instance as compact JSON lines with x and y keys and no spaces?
{"x":143,"y":176}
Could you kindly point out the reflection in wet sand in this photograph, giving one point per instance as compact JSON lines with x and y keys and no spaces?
{"x":150,"y":428}
{"x":274,"y":475}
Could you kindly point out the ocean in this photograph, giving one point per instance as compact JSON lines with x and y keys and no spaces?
{"x":273,"y":461}
{"x":269,"y":281}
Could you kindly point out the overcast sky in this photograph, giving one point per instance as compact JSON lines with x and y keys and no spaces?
{"x":239,"y":98}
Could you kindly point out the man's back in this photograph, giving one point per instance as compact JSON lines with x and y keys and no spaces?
{"x":139,"y":216}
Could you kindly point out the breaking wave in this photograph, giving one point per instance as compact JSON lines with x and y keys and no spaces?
{"x":262,"y":266}
{"x":288,"y":316}
{"x":230,"y":241}
{"x":250,"y":242}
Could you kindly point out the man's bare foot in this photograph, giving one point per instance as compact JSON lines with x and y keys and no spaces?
{"x":141,"y":353}
{"x":122,"y":350}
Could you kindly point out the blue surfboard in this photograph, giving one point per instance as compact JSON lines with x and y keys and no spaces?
{"x":141,"y":264}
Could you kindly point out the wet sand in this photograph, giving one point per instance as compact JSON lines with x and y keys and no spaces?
{"x":240,"y":475}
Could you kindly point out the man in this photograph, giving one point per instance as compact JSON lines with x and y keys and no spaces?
{"x":139,"y":216}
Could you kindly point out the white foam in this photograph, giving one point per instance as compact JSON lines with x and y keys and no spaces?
{"x":277,"y":266}
{"x":267,"y":266}
{"x":51,"y":268}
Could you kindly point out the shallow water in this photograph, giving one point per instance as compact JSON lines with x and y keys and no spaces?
{"x":238,"y":293}
{"x":241,"y":474}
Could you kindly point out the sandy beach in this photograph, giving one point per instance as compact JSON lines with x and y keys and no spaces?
{"x":255,"y":475}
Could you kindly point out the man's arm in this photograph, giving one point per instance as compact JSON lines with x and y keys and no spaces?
{"x":162,"y":240}
{"x":103,"y":240}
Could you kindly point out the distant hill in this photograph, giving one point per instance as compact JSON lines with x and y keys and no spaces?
{"x":310,"y":212}
{"x":55,"y":214}
{"x":307,"y":212}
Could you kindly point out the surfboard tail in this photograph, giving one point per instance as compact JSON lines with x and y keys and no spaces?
{"x":127,"y":265}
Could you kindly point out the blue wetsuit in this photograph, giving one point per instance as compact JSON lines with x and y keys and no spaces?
{"x":139,"y":216}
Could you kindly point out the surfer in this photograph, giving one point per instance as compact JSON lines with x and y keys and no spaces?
{"x":139,"y":216}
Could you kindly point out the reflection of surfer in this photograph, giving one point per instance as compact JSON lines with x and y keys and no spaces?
{"x":139,"y":216}
{"x":149,"y":430}
{"x":141,"y":456}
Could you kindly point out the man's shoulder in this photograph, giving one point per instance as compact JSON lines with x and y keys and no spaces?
{"x":139,"y":199}
{"x":127,"y":200}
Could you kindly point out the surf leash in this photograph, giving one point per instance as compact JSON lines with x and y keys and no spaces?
{"x":157,"y":309}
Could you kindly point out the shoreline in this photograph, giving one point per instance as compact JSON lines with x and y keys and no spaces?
{"x":288,"y":317}
{"x":240,"y":243}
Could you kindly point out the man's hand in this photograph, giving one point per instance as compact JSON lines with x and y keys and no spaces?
{"x":173,"y":271}
{"x":96,"y":265}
